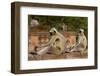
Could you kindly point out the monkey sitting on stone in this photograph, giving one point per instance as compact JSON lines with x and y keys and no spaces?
{"x":81,"y":42}
{"x":56,"y":44}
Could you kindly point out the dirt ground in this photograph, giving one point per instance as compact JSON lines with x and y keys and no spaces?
{"x":72,"y":55}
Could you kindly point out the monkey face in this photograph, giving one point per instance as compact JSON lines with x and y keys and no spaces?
{"x":53,"y":32}
{"x":81,"y":31}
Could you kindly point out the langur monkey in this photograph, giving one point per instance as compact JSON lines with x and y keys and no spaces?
{"x":81,"y":42}
{"x":56,"y":44}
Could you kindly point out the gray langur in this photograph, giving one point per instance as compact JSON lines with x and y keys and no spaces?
{"x":81,"y":42}
{"x":56,"y":44}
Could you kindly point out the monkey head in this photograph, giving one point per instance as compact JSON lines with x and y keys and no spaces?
{"x":53,"y":31}
{"x":81,"y":31}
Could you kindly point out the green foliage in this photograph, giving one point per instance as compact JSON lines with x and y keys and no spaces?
{"x":72,"y":23}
